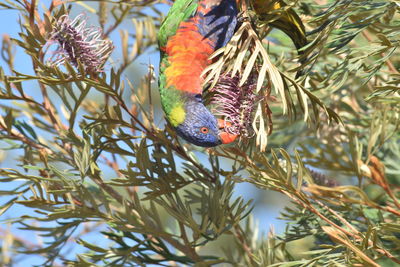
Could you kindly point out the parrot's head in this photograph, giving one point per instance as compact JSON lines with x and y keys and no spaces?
{"x":200,"y":127}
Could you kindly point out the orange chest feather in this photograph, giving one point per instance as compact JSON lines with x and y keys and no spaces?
{"x":188,"y":53}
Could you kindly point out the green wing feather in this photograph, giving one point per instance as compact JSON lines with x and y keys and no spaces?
{"x":180,"y":11}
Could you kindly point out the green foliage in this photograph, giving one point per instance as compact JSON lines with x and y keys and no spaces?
{"x":89,"y":159}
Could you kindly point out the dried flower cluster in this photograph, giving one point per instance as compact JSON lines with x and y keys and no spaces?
{"x":78,"y":43}
{"x":235,"y":103}
{"x":322,"y":179}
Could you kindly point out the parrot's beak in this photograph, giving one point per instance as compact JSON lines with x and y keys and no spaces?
{"x":225,"y":137}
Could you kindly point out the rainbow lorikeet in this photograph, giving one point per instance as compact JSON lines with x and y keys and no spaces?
{"x":191,"y":32}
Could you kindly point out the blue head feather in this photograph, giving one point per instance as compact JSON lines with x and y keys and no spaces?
{"x":200,"y":126}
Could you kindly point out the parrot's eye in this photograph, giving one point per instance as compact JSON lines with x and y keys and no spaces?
{"x":204,"y":130}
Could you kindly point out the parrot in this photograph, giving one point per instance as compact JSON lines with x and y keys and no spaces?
{"x":189,"y":34}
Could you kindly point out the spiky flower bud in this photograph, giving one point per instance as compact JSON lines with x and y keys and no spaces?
{"x":322,"y":179}
{"x":78,"y":43}
{"x":236,"y":104}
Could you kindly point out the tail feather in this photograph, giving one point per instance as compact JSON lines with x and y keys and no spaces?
{"x":288,"y":21}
